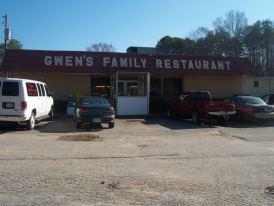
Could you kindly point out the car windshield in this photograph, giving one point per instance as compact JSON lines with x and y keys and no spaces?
{"x":249,"y":100}
{"x":94,"y":101}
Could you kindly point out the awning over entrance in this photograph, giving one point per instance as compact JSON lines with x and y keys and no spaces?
{"x":102,"y":62}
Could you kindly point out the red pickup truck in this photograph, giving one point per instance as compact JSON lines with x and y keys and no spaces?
{"x":199,"y":105}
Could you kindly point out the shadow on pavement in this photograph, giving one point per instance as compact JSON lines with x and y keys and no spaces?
{"x":59,"y":125}
{"x":176,"y":124}
{"x":67,"y":125}
{"x":249,"y":124}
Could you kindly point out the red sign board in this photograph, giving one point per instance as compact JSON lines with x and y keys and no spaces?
{"x":103,"y":62}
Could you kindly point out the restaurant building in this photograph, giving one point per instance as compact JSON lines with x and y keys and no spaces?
{"x":135,"y":83}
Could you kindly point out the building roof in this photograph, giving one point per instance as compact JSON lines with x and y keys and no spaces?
{"x":105,"y":62}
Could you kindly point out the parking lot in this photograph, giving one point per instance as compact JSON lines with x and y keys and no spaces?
{"x":153,"y":161}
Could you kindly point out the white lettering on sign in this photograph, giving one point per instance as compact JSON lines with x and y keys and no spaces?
{"x":176,"y":64}
{"x":137,"y":63}
{"x":159,"y":64}
{"x":143,"y":62}
{"x":124,"y":62}
{"x":198,"y":64}
{"x":78,"y":61}
{"x":69,"y":61}
{"x":227,"y":65}
{"x":106,"y":60}
{"x":89,"y":61}
{"x":58,"y":60}
{"x":48,"y":60}
{"x":192,"y":64}
{"x":184,"y":63}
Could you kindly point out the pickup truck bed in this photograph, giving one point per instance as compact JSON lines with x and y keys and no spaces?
{"x":199,"y":105}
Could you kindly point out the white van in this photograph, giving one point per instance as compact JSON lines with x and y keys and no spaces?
{"x":24,"y":101}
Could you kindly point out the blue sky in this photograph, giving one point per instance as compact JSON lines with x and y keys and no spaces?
{"x":74,"y":25}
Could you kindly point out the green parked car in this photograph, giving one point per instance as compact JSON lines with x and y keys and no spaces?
{"x":94,"y":109}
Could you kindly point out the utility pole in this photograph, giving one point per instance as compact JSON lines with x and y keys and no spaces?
{"x":6,"y":32}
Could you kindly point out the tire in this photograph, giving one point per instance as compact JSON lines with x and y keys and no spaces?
{"x":51,"y":114}
{"x":240,"y":117}
{"x":111,"y":124}
{"x":31,"y":122}
{"x":195,"y":117}
{"x":221,"y":121}
{"x":79,"y":125}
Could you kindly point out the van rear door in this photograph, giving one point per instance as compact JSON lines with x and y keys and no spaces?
{"x":10,"y":102}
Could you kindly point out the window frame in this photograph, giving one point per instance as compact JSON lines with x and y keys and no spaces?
{"x":8,"y":82}
{"x":29,"y":94}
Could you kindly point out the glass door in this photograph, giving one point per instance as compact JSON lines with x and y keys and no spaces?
{"x":132,"y":93}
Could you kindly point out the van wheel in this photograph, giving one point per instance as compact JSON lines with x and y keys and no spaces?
{"x":51,"y":114}
{"x":31,"y":122}
{"x":111,"y":124}
{"x":195,"y":117}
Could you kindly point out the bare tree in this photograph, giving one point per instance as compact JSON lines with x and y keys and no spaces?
{"x":201,"y":32}
{"x":235,"y":23}
{"x":101,"y":47}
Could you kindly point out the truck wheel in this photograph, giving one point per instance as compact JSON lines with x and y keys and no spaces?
{"x":111,"y":124}
{"x":195,"y":117}
{"x":221,"y":120}
{"x":31,"y":122}
{"x":79,"y":125}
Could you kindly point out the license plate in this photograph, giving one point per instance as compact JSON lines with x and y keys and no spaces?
{"x":8,"y":105}
{"x":97,"y":120}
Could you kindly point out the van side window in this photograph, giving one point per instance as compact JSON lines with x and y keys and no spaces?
{"x":39,"y":90}
{"x":10,"y":89}
{"x":46,"y":89}
{"x":42,"y":89}
{"x":32,"y":89}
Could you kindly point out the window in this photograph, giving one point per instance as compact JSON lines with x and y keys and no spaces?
{"x":172,"y":86}
{"x":31,"y":89}
{"x":256,"y":83}
{"x":132,"y":85}
{"x":39,"y":90}
{"x":42,"y":89}
{"x":271,"y":99}
{"x":94,"y":101}
{"x":155,"y":87}
{"x":200,"y":96}
{"x":10,"y":89}
{"x":100,"y":85}
{"x":266,"y":98}
{"x":47,"y":90}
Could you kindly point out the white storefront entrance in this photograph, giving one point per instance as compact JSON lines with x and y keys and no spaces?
{"x":131,"y":93}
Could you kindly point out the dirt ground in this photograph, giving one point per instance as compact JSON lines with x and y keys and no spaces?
{"x":152,"y":161}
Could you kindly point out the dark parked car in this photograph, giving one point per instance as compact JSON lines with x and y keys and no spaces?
{"x":94,"y":109}
{"x":251,"y":108}
{"x":269,"y":99}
